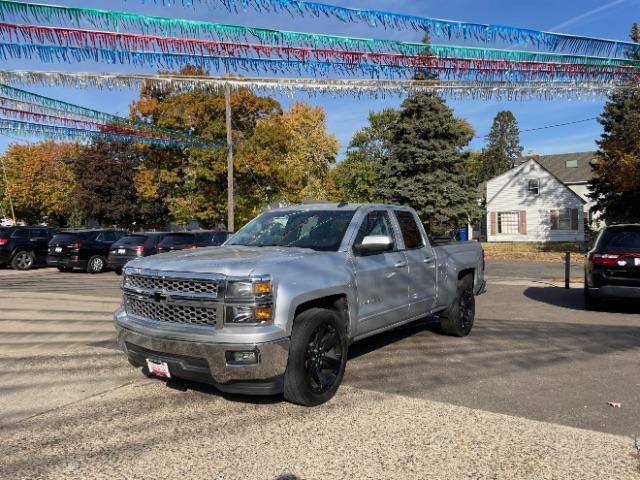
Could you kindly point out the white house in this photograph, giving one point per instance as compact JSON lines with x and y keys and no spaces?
{"x":530,"y":204}
{"x":575,"y":170}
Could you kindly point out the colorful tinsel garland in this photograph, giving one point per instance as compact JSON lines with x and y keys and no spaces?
{"x":437,"y":28}
{"x":119,"y":21}
{"x":65,"y":121}
{"x":37,"y":103}
{"x":477,"y":70}
{"x":66,"y":133}
{"x":321,"y":86}
{"x":74,"y":37}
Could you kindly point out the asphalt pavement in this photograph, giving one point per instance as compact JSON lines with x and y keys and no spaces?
{"x":525,"y":396}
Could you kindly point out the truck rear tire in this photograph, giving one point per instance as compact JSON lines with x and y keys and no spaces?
{"x":317,"y":358}
{"x":457,"y":320}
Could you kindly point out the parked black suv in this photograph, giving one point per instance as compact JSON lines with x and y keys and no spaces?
{"x":131,"y":246}
{"x":85,"y":249}
{"x":612,"y":268}
{"x":186,"y":240}
{"x":24,"y":247}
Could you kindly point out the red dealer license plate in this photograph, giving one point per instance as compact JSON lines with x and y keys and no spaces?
{"x":159,"y":369}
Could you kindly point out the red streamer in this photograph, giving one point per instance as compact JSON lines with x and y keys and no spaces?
{"x":71,"y":37}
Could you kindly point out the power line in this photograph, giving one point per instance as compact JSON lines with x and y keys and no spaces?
{"x":559,"y":125}
{"x":546,"y":127}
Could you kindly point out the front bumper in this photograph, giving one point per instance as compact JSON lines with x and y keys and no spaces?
{"x":206,"y":362}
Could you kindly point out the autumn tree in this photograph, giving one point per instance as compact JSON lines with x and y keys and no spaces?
{"x":312,"y":150}
{"x":616,"y":186}
{"x":40,"y":180}
{"x":192,"y":181}
{"x":106,"y":190}
{"x":356,"y":177}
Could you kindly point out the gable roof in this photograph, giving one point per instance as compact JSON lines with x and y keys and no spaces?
{"x":557,"y":166}
{"x":521,"y":166}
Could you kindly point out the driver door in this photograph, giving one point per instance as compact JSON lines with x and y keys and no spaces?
{"x":382,"y":278}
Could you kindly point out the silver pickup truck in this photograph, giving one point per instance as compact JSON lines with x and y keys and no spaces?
{"x":275,"y":308}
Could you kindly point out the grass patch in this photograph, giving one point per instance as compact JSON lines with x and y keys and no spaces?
{"x":543,"y":252}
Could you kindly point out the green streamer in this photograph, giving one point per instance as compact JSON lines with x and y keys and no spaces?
{"x":18,"y":94}
{"x":171,"y":27}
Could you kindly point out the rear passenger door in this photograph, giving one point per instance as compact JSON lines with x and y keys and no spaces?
{"x":422,"y":263}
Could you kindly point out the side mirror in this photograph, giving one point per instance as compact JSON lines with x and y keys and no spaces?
{"x":374,"y":244}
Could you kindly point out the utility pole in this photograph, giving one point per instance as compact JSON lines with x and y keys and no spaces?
{"x":230,"y":195}
{"x":6,"y":189}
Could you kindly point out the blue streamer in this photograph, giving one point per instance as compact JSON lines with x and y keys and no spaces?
{"x":174,"y":61}
{"x":57,"y":132}
{"x":439,"y":28}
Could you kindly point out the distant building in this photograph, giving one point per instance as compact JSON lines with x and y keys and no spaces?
{"x":543,"y":199}
{"x":575,"y":170}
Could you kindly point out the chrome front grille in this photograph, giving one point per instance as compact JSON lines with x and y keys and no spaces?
{"x":173,"y":297}
{"x":170,"y":312}
{"x":172,"y":285}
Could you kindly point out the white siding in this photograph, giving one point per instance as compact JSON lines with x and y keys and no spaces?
{"x":509,"y":193}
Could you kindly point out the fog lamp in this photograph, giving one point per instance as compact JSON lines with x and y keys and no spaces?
{"x":242,"y":358}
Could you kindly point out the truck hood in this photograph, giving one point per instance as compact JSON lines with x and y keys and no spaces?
{"x":231,"y":260}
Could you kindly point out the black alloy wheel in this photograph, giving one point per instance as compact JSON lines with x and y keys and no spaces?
{"x":323,"y":358}
{"x":467,"y":310}
{"x":317,"y":357}
{"x":458,"y":319}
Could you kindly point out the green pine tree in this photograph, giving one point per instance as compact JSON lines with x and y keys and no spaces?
{"x":426,"y":167}
{"x":503,"y":145}
{"x":616,"y":186}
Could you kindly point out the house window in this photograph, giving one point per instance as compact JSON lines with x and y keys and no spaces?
{"x":534,"y":187}
{"x":509,"y":222}
{"x":564,"y":219}
{"x":571,"y":163}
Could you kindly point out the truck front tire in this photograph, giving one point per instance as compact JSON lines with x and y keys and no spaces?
{"x":457,"y":320}
{"x":317,"y":357}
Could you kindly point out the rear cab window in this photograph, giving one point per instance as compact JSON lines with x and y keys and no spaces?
{"x":410,"y":230}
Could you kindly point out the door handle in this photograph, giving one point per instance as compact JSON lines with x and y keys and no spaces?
{"x":400,"y":264}
{"x":429,"y":260}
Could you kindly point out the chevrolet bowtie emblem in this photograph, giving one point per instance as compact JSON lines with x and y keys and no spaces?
{"x":160,"y":297}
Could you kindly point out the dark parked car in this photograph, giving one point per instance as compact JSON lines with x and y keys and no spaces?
{"x":133,"y":245}
{"x":24,"y":247}
{"x":612,"y":269}
{"x":187,"y":240}
{"x":85,"y":249}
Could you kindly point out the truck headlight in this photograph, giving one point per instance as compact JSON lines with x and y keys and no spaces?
{"x":248,"y":288}
{"x":247,"y":314}
{"x":248,"y":301}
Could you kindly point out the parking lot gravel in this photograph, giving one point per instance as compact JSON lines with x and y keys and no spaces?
{"x":146,"y":430}
{"x":500,"y":404}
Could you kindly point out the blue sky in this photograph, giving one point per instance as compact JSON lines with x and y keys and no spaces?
{"x":597,"y":18}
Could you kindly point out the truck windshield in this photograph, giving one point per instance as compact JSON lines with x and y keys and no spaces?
{"x":318,"y":230}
